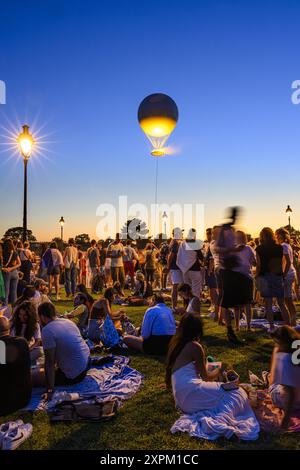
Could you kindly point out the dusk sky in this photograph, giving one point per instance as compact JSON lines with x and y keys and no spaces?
{"x":75,"y":72}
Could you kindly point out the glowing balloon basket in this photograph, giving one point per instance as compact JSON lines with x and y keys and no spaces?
{"x":158,"y":116}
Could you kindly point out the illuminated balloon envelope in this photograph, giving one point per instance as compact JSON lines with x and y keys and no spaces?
{"x":158,"y":116}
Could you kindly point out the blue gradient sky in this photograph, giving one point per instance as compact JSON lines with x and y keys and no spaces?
{"x":80,"y":69}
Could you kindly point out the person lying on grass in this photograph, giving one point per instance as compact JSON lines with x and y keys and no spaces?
{"x":284,"y":379}
{"x":67,"y":356}
{"x":157,"y":329}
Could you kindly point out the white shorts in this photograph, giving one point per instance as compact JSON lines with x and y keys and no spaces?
{"x":176,"y":276}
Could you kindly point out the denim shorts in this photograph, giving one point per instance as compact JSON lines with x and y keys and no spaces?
{"x":270,"y":285}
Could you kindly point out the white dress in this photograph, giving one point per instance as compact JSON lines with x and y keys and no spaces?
{"x":210,"y":411}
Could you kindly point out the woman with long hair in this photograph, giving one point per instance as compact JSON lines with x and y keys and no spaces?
{"x":27,"y":294}
{"x":26,"y":259}
{"x":25,"y":324}
{"x":289,"y":273}
{"x":269,"y":274}
{"x":185,"y":349}
{"x":221,"y":412}
{"x":284,"y":378}
{"x":11,"y":264}
{"x":54,"y":261}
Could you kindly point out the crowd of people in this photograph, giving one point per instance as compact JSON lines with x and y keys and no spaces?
{"x":235,"y":276}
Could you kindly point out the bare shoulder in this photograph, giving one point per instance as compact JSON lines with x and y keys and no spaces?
{"x":195,"y":347}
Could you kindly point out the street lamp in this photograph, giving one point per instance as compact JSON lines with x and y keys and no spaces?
{"x":25,"y":143}
{"x":61,"y":222}
{"x":288,"y":211}
{"x":165,"y":218}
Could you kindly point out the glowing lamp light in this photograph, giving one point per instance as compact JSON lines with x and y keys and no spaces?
{"x":61,"y":221}
{"x":158,"y":116}
{"x":288,"y":209}
{"x":25,"y":142}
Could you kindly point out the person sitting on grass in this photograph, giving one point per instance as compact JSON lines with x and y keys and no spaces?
{"x":15,"y":380}
{"x":67,"y":355}
{"x":100,"y":309}
{"x":191,"y":302}
{"x":27,"y":295}
{"x":86,"y":302}
{"x":41,"y":292}
{"x":157,"y":329}
{"x":81,"y":289}
{"x":25,"y":324}
{"x":196,"y":390}
{"x":142,"y":293}
{"x":284,"y":379}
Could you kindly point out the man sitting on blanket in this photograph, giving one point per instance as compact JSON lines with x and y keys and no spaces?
{"x":66,"y":353}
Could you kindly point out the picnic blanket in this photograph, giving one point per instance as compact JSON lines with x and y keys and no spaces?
{"x":234,"y":416}
{"x":269,"y":417}
{"x":112,"y":381}
{"x":262,"y":323}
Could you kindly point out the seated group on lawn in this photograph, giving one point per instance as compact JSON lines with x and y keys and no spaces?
{"x":48,"y":349}
{"x":34,"y":332}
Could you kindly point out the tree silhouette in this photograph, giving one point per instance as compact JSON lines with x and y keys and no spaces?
{"x":17,"y":233}
{"x":82,"y":239}
{"x":134,"y":229}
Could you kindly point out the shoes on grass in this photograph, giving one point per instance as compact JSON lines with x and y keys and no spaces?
{"x":17,"y":433}
{"x":8,"y":427}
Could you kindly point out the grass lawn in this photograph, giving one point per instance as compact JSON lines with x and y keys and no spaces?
{"x":144,"y":422}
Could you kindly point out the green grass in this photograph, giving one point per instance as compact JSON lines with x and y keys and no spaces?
{"x":144,"y":422}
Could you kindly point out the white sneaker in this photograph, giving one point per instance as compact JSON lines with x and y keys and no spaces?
{"x":7,"y":427}
{"x":16,"y":437}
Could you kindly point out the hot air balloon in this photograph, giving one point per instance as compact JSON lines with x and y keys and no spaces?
{"x":158,"y":116}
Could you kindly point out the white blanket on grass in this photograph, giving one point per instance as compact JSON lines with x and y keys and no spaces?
{"x":232,"y":417}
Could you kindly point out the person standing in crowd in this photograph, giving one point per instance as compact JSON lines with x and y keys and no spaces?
{"x":2,"y":288}
{"x":15,"y":379}
{"x":94,"y":260}
{"x":163,"y":264}
{"x":11,"y":265}
{"x":70,"y":264}
{"x":289,"y":274}
{"x":116,"y":252}
{"x":269,"y":274}
{"x":227,"y":248}
{"x":66,"y":353}
{"x":217,"y":272}
{"x":176,"y":274}
{"x":26,"y":258}
{"x":54,"y":261}
{"x":210,"y":277}
{"x":246,"y":261}
{"x":25,"y":324}
{"x":129,"y":258}
{"x":190,"y":259}
{"x":150,"y":262}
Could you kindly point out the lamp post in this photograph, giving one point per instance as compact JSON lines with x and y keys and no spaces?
{"x":61,"y":223}
{"x":25,"y":142}
{"x":165,"y":218}
{"x":288,"y":211}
